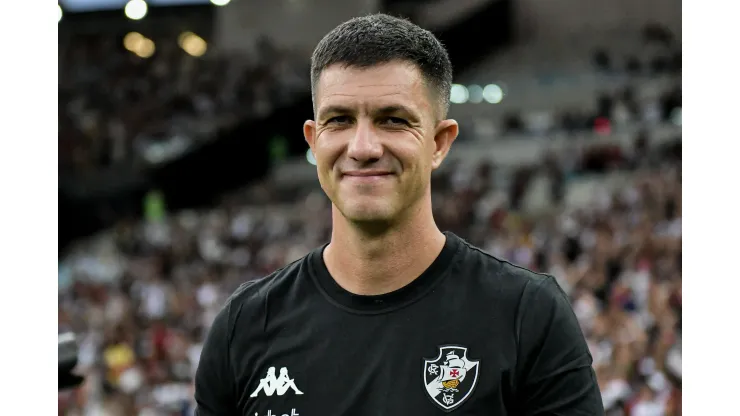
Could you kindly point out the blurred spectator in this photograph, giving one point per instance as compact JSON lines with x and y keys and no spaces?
{"x":654,"y":32}
{"x":633,"y":66}
{"x":513,"y":123}
{"x":602,"y":60}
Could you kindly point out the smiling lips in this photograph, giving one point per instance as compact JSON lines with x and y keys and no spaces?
{"x":366,"y":175}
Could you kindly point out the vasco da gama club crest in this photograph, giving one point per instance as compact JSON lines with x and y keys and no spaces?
{"x":451,"y":377}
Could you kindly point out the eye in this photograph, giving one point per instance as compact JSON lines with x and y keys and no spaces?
{"x":395,"y":121}
{"x":338,"y":120}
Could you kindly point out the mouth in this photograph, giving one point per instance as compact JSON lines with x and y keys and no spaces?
{"x":367,"y":176}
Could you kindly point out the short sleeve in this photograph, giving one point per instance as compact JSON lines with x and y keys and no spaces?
{"x":214,"y":379}
{"x":554,"y":375}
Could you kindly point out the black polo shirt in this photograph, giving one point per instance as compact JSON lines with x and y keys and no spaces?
{"x":473,"y":335}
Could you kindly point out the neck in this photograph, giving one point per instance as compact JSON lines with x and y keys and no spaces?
{"x":373,"y":262}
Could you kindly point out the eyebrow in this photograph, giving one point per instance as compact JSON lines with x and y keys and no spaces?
{"x":397,"y":109}
{"x":332,"y":110}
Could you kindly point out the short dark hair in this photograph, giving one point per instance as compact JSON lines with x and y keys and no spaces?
{"x":377,"y":39}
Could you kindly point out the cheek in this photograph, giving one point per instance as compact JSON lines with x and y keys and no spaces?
{"x":326,"y":152}
{"x":324,"y":172}
{"x":411,"y":153}
{"x":417,"y":161}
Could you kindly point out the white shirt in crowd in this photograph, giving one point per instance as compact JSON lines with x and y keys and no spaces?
{"x":648,"y":408}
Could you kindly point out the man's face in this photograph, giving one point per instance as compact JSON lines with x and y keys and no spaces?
{"x":376,"y":139}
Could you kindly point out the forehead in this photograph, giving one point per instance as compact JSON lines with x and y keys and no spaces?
{"x":395,"y":83}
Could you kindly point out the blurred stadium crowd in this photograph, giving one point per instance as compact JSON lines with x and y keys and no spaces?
{"x":142,"y":295}
{"x":119,"y":100}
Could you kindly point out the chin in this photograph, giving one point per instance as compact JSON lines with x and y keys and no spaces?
{"x":368,"y":211}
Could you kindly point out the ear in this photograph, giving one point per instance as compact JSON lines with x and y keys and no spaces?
{"x":309,"y":133}
{"x":445,"y":134}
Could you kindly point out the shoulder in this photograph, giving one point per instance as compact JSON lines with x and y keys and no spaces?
{"x":514,"y":291}
{"x":504,"y":276}
{"x":254,"y":291}
{"x":249,"y":299}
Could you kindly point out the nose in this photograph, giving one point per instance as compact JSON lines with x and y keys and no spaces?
{"x":365,"y":145}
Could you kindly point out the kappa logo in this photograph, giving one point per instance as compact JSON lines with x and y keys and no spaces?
{"x":280,"y":385}
{"x":450,"y":378}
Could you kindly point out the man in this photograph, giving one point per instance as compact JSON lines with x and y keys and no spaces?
{"x":392,"y":317}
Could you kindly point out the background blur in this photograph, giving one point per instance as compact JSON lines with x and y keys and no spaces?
{"x":183,"y":172}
